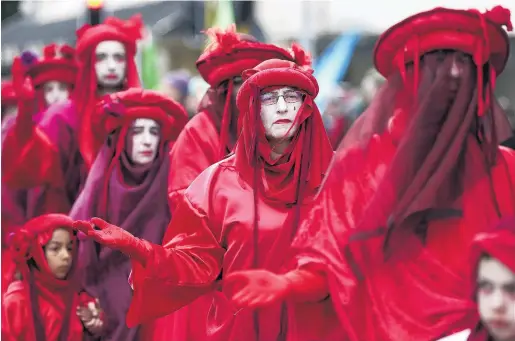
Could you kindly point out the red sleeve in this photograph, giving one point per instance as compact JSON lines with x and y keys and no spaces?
{"x":15,"y":315}
{"x":30,"y":162}
{"x":185,"y":267}
{"x":34,"y":155}
{"x":194,"y":151}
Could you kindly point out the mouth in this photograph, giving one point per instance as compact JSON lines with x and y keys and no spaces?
{"x":146,"y":153}
{"x":63,"y":268}
{"x":498,"y":324}
{"x":283,"y":121}
{"x":111,"y":77}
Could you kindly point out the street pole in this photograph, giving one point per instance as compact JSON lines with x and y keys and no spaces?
{"x":94,"y":11}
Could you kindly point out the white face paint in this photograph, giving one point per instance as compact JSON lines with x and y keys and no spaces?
{"x":496,"y":298}
{"x":111,"y":63}
{"x":278,"y":111}
{"x":145,"y":135}
{"x":55,"y":92}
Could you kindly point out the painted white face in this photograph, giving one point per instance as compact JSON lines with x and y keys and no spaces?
{"x":496,"y":298}
{"x":111,"y":63}
{"x":55,"y":92}
{"x":278,"y":111}
{"x":145,"y":135}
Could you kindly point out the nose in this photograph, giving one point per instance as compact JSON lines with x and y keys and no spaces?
{"x":497,"y":301}
{"x":111,"y":63}
{"x":146,"y":139}
{"x":455,"y":69}
{"x":281,"y":105}
{"x":66,"y":255}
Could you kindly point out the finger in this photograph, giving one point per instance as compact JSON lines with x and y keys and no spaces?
{"x":83,"y":226}
{"x":99,"y":223}
{"x":246,"y":291}
{"x":261,"y":301}
{"x":93,"y":309}
{"x":244,"y":299}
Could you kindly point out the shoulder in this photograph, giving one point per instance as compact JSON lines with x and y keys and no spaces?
{"x":461,"y":336}
{"x":200,"y":191}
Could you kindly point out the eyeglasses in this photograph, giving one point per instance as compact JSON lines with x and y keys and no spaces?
{"x":292,"y":96}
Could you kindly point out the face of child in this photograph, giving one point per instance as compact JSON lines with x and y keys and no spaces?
{"x":496,"y":298}
{"x":59,"y":253}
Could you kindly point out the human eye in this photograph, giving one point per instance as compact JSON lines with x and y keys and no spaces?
{"x":485,"y":286}
{"x":292,"y":96}
{"x":268,"y":98}
{"x":100,"y":56}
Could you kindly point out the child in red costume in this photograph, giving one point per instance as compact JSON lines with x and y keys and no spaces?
{"x":46,"y":304}
{"x":417,"y":177}
{"x":493,"y":282}
{"x":239,"y":214}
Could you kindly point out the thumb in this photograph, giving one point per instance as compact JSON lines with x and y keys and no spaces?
{"x":101,"y":224}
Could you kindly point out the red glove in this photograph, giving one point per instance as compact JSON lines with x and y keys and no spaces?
{"x":115,"y":237}
{"x":260,"y":288}
{"x":21,"y":82}
{"x":257,"y":288}
{"x":26,"y":98}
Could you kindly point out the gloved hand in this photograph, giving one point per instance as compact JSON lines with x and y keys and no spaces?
{"x":26,"y":98}
{"x":116,"y":238}
{"x":22,"y":83}
{"x":257,"y":288}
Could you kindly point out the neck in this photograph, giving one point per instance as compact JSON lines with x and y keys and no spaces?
{"x":102,"y":90}
{"x":278,"y":148}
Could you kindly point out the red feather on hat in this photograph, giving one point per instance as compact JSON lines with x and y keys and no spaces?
{"x":224,"y":40}
{"x":500,"y":16}
{"x":301,"y":56}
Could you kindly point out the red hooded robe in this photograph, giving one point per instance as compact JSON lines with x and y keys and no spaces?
{"x":212,"y":233}
{"x":392,"y":225}
{"x":209,"y":136}
{"x":131,"y":196}
{"x":40,"y":306}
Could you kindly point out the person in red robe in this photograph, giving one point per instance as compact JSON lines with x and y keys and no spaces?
{"x":58,"y":151}
{"x":53,"y":77}
{"x":46,"y":303}
{"x":239,"y":214}
{"x":212,"y":133}
{"x":127,"y":186}
{"x":492,"y":285}
{"x":389,"y":233}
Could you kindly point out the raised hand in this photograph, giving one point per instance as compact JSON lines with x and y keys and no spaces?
{"x":114,"y":237}
{"x":257,"y":288}
{"x":21,"y":82}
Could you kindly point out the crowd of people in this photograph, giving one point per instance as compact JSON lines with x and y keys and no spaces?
{"x":235,"y":211}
